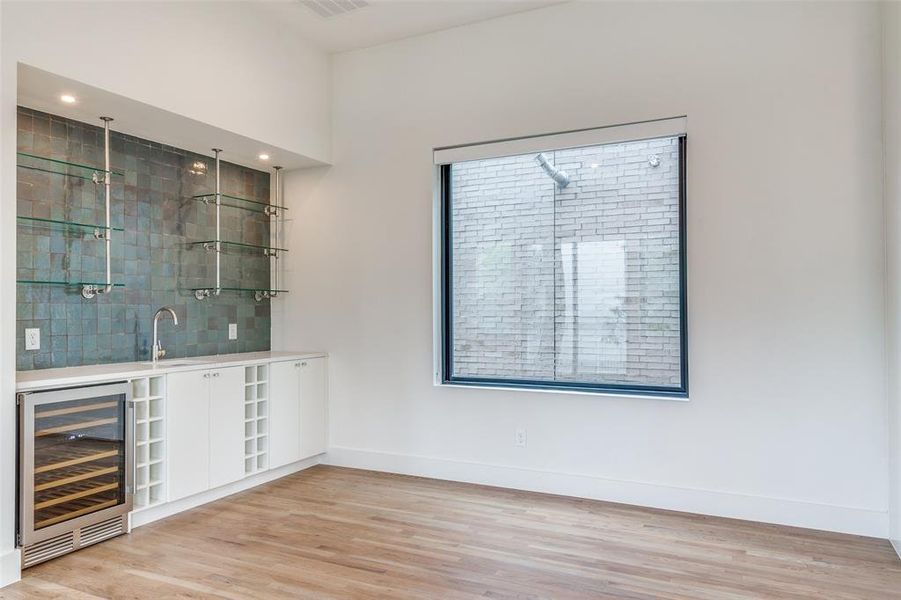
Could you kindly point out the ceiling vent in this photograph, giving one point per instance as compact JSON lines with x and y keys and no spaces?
{"x":332,"y":8}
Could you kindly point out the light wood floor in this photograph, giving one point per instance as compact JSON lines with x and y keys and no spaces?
{"x":340,"y":533}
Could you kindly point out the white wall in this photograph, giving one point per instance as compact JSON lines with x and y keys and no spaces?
{"x":9,"y":559}
{"x":787,"y":416}
{"x":222,"y":63}
{"x":229,"y":64}
{"x":892,"y":155}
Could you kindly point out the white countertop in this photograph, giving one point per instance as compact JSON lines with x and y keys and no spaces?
{"x":89,"y":374}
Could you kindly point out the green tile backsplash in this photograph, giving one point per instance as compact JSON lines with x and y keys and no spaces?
{"x":153,"y":256}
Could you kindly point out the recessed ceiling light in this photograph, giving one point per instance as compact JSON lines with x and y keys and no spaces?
{"x":264,"y":157}
{"x":67,"y":98}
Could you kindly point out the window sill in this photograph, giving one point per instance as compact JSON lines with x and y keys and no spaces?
{"x":674,"y":396}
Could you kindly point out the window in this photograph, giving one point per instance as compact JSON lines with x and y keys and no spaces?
{"x":564,"y":267}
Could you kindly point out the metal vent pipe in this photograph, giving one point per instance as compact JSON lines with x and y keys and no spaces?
{"x":560,"y":177}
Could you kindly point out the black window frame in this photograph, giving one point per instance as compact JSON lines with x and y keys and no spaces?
{"x":447,"y":376}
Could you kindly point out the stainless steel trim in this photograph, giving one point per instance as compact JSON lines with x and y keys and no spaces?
{"x":75,"y":393}
{"x":71,"y":541}
{"x":129,"y":450}
{"x":28,"y":402}
{"x":26,"y":466}
{"x":35,"y":554}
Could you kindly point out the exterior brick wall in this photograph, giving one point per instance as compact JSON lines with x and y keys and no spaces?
{"x":572,"y":284}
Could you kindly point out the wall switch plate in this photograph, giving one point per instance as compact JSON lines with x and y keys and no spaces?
{"x":32,"y":338}
{"x":519,"y":437}
{"x":232,"y":331}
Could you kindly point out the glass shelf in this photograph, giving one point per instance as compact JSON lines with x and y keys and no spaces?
{"x":241,"y":289}
{"x":252,"y":205}
{"x":259,"y":294}
{"x":211,"y":245}
{"x":73,"y":225}
{"x":71,"y":283}
{"x":63,"y":167}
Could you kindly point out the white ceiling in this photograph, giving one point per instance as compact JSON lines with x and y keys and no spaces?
{"x":389,"y":20}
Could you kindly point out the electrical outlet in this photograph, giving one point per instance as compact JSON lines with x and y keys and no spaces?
{"x":519,"y":437}
{"x":232,"y":331}
{"x":32,"y":338}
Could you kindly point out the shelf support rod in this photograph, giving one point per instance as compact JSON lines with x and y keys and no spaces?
{"x":278,"y":221}
{"x":207,"y":292}
{"x":89,"y":291}
{"x":218,"y":291}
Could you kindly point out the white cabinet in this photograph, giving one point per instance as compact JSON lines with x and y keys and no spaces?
{"x":188,"y":418}
{"x":226,"y":425}
{"x":205,"y":422}
{"x":284,"y":424}
{"x":313,"y":407}
{"x":298,"y":399}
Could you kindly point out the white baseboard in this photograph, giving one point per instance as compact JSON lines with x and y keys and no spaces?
{"x":781,"y":511}
{"x":10,"y":567}
{"x":161,"y":511}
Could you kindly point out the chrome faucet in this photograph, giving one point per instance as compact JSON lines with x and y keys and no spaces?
{"x":157,"y":351}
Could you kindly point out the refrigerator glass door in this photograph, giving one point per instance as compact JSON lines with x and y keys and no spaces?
{"x":76,"y":458}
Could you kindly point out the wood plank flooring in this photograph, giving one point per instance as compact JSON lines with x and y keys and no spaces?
{"x":341,"y":533}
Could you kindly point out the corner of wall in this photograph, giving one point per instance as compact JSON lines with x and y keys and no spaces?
{"x":9,"y":555}
{"x":891,"y":139}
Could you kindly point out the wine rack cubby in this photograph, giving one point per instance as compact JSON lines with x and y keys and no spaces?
{"x":256,"y":419}
{"x":149,"y":400}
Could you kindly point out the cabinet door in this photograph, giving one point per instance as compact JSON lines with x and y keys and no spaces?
{"x":226,"y":425}
{"x":313,"y":406}
{"x":187,"y":424}
{"x":284,"y":413}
